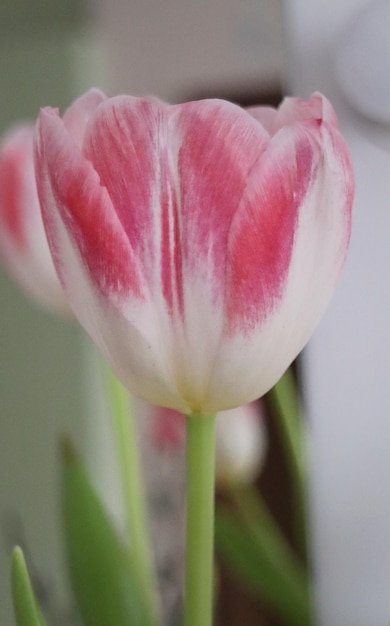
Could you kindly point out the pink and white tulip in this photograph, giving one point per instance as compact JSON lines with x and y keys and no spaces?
{"x":198,"y":244}
{"x":23,"y":243}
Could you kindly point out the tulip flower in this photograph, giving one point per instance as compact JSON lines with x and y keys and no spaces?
{"x":23,"y":243}
{"x":199,"y":244}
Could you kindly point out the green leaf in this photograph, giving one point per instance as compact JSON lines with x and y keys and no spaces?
{"x":27,"y":612}
{"x":100,"y":566}
{"x":133,"y":492}
{"x":284,"y":400}
{"x":264,"y":563}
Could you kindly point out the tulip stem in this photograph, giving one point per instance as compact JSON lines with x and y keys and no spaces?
{"x":284,"y":398}
{"x":200,"y":520}
{"x":133,"y":494}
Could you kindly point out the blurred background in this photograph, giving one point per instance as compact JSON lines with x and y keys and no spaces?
{"x":251,"y":52}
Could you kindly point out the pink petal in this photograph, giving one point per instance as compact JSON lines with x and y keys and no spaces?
{"x":265,"y":115}
{"x":321,"y":236}
{"x":68,"y":180}
{"x":122,"y":144}
{"x":262,"y":232}
{"x":77,"y":116}
{"x":220,"y":146}
{"x":293,"y":110}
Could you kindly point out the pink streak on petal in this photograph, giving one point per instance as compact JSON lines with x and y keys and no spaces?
{"x":220,"y":144}
{"x":123,"y":145}
{"x":85,"y":209}
{"x":262,"y":235}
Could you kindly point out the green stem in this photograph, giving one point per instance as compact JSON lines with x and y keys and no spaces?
{"x":284,"y":399}
{"x":200,"y":520}
{"x":133,"y":493}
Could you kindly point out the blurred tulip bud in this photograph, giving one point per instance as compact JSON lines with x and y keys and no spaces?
{"x":241,"y":444}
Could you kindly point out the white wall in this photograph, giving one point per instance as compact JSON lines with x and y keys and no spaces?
{"x":347,"y":364}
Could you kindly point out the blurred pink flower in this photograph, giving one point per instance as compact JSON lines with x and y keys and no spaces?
{"x":241,"y":439}
{"x":23,"y":243}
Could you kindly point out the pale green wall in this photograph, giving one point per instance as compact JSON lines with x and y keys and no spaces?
{"x":48,"y":55}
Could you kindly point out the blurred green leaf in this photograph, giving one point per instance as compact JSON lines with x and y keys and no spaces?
{"x":260,"y":558}
{"x":285,"y":403}
{"x":27,"y":612}
{"x":99,"y":563}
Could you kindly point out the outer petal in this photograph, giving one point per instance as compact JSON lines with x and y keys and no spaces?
{"x":263,"y":230}
{"x":67,"y":181}
{"x":96,"y":263}
{"x":293,"y":111}
{"x":321,"y":230}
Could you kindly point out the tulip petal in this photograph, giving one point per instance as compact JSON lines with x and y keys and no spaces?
{"x":321,"y":237}
{"x":77,"y":116}
{"x":293,"y":111}
{"x":265,"y":115}
{"x":262,"y":232}
{"x":96,"y":264}
{"x":85,"y":209}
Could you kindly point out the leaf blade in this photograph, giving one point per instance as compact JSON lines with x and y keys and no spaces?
{"x":256,"y":557}
{"x":99,"y":562}
{"x":26,"y":609}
